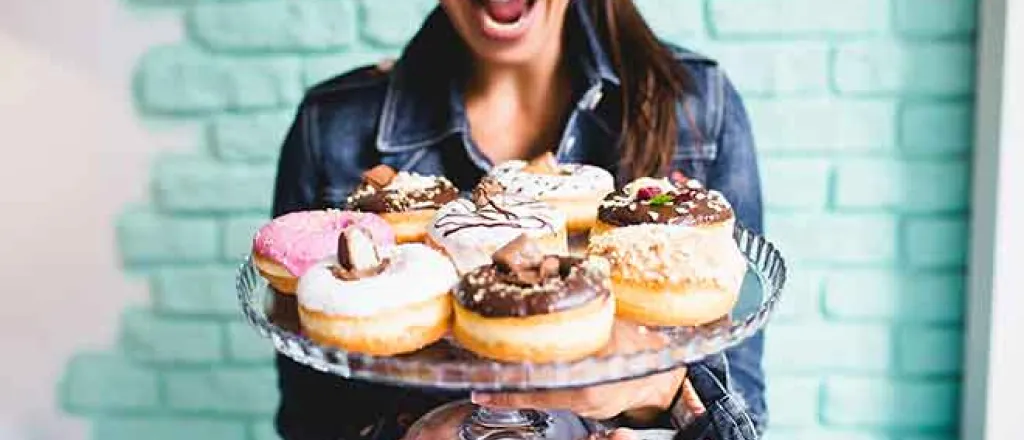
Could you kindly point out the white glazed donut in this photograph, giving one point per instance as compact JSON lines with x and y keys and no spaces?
{"x":470,"y":234}
{"x":574,"y":189}
{"x":404,"y":308}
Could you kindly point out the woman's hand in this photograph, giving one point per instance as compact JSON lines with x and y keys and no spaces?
{"x":640,"y":399}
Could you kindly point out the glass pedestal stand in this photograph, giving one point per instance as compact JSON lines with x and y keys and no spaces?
{"x":634,"y":351}
{"x":489,"y":424}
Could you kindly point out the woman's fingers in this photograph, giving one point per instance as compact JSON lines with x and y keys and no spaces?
{"x":691,"y":399}
{"x":544,"y":400}
{"x":585,"y":402}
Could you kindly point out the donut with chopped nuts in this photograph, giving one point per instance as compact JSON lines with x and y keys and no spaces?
{"x":530,"y":307}
{"x":670,"y":275}
{"x":574,"y":189}
{"x":660,"y":201}
{"x":406,"y":200}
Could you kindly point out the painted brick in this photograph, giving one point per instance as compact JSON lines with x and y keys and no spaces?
{"x":673,"y":20}
{"x":246,"y":345}
{"x":251,"y":391}
{"x":837,"y":348}
{"x":318,"y":69}
{"x":145,"y":237}
{"x":950,"y":435}
{"x":889,"y":403}
{"x":263,"y":431}
{"x":772,"y":68}
{"x":795,"y":183}
{"x":794,"y":402}
{"x":908,"y":186}
{"x":152,"y":338}
{"x":801,"y":299}
{"x":930,"y":351}
{"x":238,"y":233}
{"x":168,"y":428}
{"x":391,"y":23}
{"x":839,"y":238}
{"x":936,"y":128}
{"x":823,"y":124}
{"x":768,"y":19}
{"x":930,"y":69}
{"x":255,"y":138}
{"x":823,"y":434}
{"x":933,"y":18}
{"x":195,"y":185}
{"x":888,"y":295}
{"x":274,"y":26}
{"x":107,"y":382}
{"x":935,"y":242}
{"x":202,"y":291}
{"x":183,"y":80}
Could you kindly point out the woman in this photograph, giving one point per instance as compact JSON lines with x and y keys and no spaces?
{"x":486,"y":81}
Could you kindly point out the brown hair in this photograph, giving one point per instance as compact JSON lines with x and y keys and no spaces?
{"x":652,"y":84}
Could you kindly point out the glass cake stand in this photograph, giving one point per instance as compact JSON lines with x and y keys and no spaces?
{"x":634,"y":351}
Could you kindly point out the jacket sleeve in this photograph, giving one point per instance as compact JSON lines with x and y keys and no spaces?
{"x":735,"y":173}
{"x":295,"y":187}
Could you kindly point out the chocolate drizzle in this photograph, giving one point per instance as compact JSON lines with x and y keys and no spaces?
{"x":686,"y":203}
{"x":521,"y":283}
{"x":493,"y":210}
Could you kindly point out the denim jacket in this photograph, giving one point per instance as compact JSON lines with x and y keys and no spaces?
{"x":412,"y":118}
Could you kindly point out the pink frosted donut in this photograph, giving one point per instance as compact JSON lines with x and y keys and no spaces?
{"x":289,"y":245}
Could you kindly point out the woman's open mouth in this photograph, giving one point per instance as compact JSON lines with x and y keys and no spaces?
{"x":505,"y":19}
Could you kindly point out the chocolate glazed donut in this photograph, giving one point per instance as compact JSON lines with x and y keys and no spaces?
{"x":527,"y":307}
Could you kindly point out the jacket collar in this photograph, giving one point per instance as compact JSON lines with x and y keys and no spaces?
{"x":423,"y":103}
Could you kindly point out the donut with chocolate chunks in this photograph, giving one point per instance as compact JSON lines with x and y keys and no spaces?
{"x":384,"y":190}
{"x":523,"y":282}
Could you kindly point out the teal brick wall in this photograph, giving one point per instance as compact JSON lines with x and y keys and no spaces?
{"x":862,"y":110}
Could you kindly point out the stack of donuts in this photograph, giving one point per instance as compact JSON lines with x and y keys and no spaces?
{"x":408,"y":261}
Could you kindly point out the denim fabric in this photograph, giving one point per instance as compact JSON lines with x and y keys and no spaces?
{"x":413,"y":118}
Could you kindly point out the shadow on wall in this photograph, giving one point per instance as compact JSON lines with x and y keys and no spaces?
{"x":862,"y":113}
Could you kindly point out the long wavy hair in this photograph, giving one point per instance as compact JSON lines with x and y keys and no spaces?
{"x":653,"y":82}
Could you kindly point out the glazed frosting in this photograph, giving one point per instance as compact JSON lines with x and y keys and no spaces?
{"x":300,"y":239}
{"x":415,"y":273}
{"x":648,"y":200}
{"x":573,"y":180}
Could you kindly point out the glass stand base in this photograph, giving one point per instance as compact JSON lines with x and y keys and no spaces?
{"x":465,"y":421}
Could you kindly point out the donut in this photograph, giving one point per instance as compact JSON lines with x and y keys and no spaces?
{"x":529,"y":307}
{"x":406,"y":200}
{"x":574,"y":189}
{"x":287,"y":246}
{"x":469,"y":231}
{"x":671,"y":275}
{"x":660,"y":201}
{"x":374,"y":302}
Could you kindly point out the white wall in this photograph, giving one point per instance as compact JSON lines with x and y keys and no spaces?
{"x":74,"y":154}
{"x":995,"y":354}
